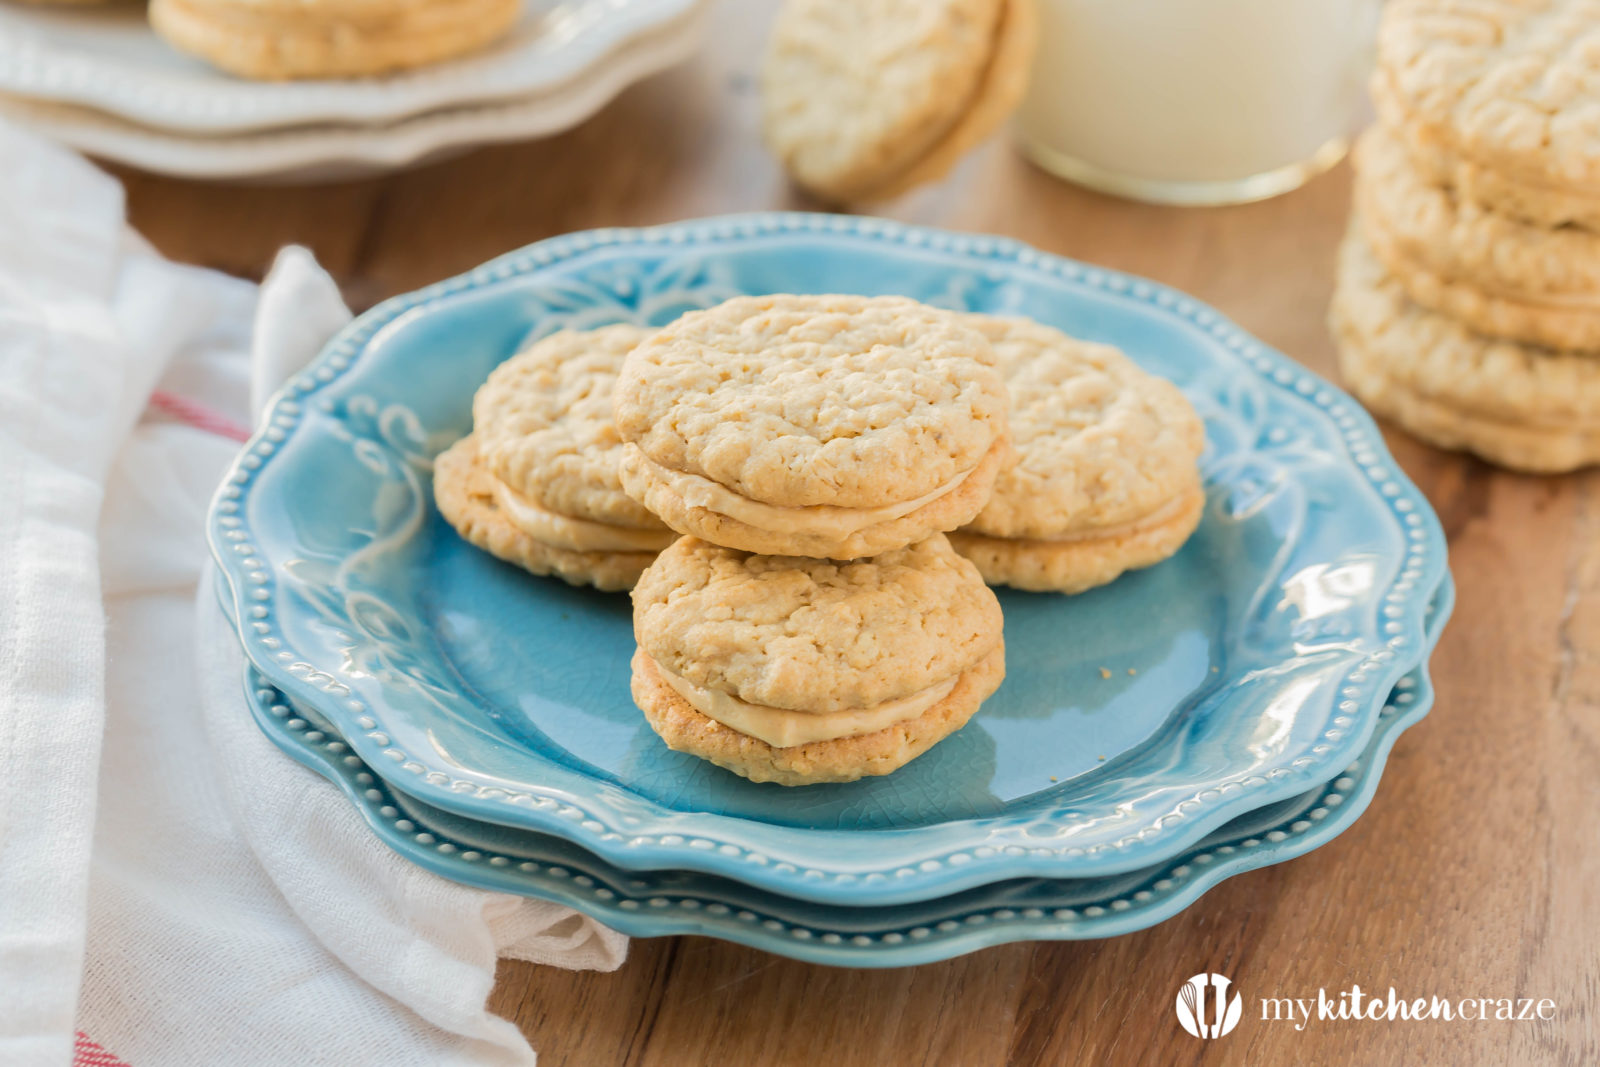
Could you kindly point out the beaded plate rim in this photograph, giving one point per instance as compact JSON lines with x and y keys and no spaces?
{"x":629,"y":903}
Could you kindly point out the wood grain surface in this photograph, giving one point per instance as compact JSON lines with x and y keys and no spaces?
{"x":1476,"y":872}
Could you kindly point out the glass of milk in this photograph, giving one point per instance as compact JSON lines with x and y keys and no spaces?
{"x":1196,"y":101}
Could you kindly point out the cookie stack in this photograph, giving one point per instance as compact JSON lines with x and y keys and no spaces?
{"x":1468,"y":300}
{"x":814,"y":623}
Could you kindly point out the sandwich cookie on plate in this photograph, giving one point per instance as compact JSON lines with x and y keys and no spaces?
{"x":800,"y":671}
{"x":828,"y":426}
{"x":1106,"y":475}
{"x":536,"y":483}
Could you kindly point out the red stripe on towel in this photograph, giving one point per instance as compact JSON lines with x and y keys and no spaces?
{"x":198,"y":415}
{"x":86,"y":1053}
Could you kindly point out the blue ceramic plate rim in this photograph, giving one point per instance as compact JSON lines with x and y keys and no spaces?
{"x":637,"y":904}
{"x":913,"y":863}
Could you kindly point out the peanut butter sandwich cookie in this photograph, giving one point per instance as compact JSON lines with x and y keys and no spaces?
{"x":274,"y":40}
{"x":863,"y":99}
{"x":800,"y":671}
{"x":828,"y":426}
{"x":536,"y":483}
{"x":1106,"y":477}
{"x":1504,"y":94}
{"x":1499,"y":274}
{"x":1522,"y":407}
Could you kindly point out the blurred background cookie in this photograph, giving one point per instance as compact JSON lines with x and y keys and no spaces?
{"x":1517,"y":405}
{"x":282,"y":39}
{"x":1506,"y":85}
{"x":863,"y":99}
{"x":1498,"y":273}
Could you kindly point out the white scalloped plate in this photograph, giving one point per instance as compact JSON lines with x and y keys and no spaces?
{"x":337,"y":152}
{"x":107,"y":58}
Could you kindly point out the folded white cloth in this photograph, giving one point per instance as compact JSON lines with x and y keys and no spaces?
{"x":237,"y":909}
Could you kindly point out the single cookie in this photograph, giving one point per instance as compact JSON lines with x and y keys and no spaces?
{"x":543,"y":423}
{"x":541,"y":463}
{"x":1000,"y":90}
{"x":1499,"y":274}
{"x":465,"y":493}
{"x":856,"y":92}
{"x":1513,"y":85}
{"x":1522,"y":407}
{"x":800,"y":671}
{"x":1106,"y":473}
{"x":274,"y":40}
{"x":827,"y":426}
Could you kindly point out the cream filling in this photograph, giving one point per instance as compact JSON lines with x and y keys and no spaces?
{"x":575,"y":535}
{"x":785,"y":728}
{"x":1165,"y":513}
{"x":823,"y":520}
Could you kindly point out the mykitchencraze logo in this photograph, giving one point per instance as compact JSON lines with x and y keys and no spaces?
{"x":1204,"y":1007}
{"x":1207,"y":1009}
{"x":1353,"y":1004}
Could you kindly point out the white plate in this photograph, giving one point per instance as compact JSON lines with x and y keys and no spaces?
{"x":108,"y":58}
{"x":336,"y":152}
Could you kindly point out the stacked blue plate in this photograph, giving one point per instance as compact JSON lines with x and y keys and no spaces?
{"x":1229,"y":708}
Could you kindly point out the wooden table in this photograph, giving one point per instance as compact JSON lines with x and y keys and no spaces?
{"x":1475,"y":873}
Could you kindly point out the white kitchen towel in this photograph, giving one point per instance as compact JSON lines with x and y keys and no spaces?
{"x":238,"y":910}
{"x":64,"y":381}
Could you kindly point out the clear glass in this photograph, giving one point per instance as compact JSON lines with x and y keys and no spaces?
{"x":1196,"y":101}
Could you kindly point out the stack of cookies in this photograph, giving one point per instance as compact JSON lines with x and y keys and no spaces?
{"x":1468,"y":299}
{"x":813,"y":622}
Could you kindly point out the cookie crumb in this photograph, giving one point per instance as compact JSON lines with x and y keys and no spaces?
{"x":1053,"y":778}
{"x":1131,"y":672}
{"x":1102,"y":759}
{"x":1105,"y":672}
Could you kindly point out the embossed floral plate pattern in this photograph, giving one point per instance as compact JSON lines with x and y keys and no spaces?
{"x":652,"y":904}
{"x":1133,"y":721}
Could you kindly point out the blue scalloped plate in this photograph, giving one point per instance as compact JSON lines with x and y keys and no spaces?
{"x":1134,"y":720}
{"x":654,"y":904}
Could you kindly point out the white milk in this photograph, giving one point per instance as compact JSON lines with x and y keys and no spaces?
{"x":1196,"y":101}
